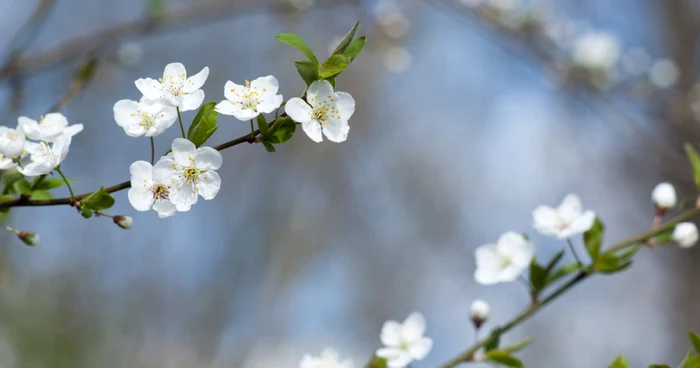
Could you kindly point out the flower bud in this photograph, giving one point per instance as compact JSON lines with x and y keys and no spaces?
{"x":685,"y":234}
{"x":664,"y":197}
{"x":479,"y":312}
{"x":124,"y":222}
{"x":28,"y":237}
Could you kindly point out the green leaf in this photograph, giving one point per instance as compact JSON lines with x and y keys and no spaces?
{"x":610,"y":263}
{"x":262,"y":124}
{"x":333,"y":66}
{"x":695,"y":340}
{"x":518,"y":345}
{"x":538,"y":275}
{"x":281,"y":131}
{"x":86,"y":212}
{"x":691,"y":360}
{"x":345,"y":42}
{"x":694,"y":162}
{"x":86,"y":71}
{"x":664,"y":237}
{"x":308,"y":71}
{"x":659,"y":366}
{"x":593,"y":238}
{"x":377,"y":362}
{"x":6,"y":210}
{"x":504,"y":358}
{"x":99,"y":200}
{"x":563,"y":272}
{"x":269,"y":147}
{"x":620,"y":362}
{"x":50,"y":183}
{"x":493,"y":343}
{"x":298,"y":43}
{"x":204,"y":124}
{"x":41,"y":194}
{"x":22,"y":187}
{"x":355,"y":47}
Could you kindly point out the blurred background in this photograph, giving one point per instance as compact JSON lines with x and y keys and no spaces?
{"x":469,"y":115}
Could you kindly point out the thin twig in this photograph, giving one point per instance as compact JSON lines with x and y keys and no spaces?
{"x":153,"y":150}
{"x":573,"y":251}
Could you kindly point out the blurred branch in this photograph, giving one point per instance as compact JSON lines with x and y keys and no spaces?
{"x":26,"y":35}
{"x":177,"y":17}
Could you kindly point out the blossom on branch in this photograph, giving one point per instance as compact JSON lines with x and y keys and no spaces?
{"x":503,"y":261}
{"x":323,"y":111}
{"x":564,"y":221}
{"x":43,"y":158}
{"x":664,"y":196}
{"x":190,"y":172}
{"x":479,"y":312}
{"x":175,"y":89}
{"x":329,"y":359}
{"x":404,"y":342}
{"x":596,"y":50}
{"x":247,"y":102}
{"x":685,"y":234}
{"x":49,"y":128}
{"x":148,"y":191}
{"x":141,"y":118}
{"x":11,"y":141}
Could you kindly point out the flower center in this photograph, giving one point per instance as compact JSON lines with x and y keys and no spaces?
{"x":324,"y":109}
{"x":190,"y":174}
{"x":160,"y":191}
{"x":506,"y":260}
{"x":173,"y":84}
{"x":250,"y":98}
{"x":147,"y":121}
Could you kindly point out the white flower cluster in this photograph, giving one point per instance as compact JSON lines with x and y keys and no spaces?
{"x":177,"y":180}
{"x":36,"y":148}
{"x":403,"y":343}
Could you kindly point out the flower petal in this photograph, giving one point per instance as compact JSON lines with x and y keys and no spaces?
{"x":192,"y":101}
{"x":298,"y":110}
{"x":30,"y":127}
{"x":580,"y":225}
{"x":319,"y":91}
{"x":141,"y":171}
{"x":413,"y":327}
{"x":391,"y":334}
{"x":336,"y":130}
{"x":231,"y":91}
{"x":388,"y":353}
{"x":209,"y":184}
{"x":488,"y":265}
{"x":125,"y":112}
{"x":175,"y":70}
{"x":208,"y":158}
{"x":313,"y":130}
{"x":165,"y":170}
{"x":546,"y":220}
{"x":226,"y":107}
{"x":73,"y":129}
{"x":196,"y":81}
{"x":570,"y":208}
{"x":345,"y":104}
{"x":400,"y":361}
{"x":420,"y":348}
{"x":184,"y":151}
{"x":183,"y":196}
{"x":150,"y":88}
{"x":164,"y":207}
{"x":140,"y":199}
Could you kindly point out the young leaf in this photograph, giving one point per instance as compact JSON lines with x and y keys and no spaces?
{"x":281,"y":131}
{"x":333,"y":66}
{"x":50,"y":183}
{"x":355,"y":47}
{"x":22,"y":187}
{"x":99,"y":200}
{"x":538,"y":275}
{"x":518,"y":345}
{"x":299,"y":44}
{"x":86,"y":212}
{"x":620,"y":362}
{"x":268,"y":146}
{"x":593,"y":238}
{"x":41,"y":194}
{"x":610,"y":263}
{"x":659,"y":366}
{"x":346,"y":40}
{"x":204,"y":124}
{"x":695,"y":340}
{"x":694,"y":162}
{"x":563,"y":272}
{"x":691,"y":360}
{"x":504,"y":358}
{"x":493,"y":343}
{"x":262,"y":124}
{"x":308,"y":71}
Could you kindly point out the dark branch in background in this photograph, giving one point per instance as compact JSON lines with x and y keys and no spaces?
{"x":177,"y":17}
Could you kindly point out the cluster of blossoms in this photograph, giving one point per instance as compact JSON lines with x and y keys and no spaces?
{"x":36,"y":148}
{"x":174,"y":183}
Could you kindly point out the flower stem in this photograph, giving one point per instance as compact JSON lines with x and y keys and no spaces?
{"x":10,"y":229}
{"x":573,"y":251}
{"x":252,"y":131}
{"x":38,"y":181}
{"x":182,"y":126}
{"x":153,"y":150}
{"x":72,"y":195}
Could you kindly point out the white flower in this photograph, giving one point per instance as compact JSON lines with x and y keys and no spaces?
{"x":175,"y":89}
{"x":49,"y":128}
{"x":44,"y":158}
{"x":503,"y":261}
{"x":148,"y":191}
{"x":404,"y":342}
{"x":6,"y":163}
{"x":596,"y":50}
{"x":329,"y":359}
{"x":480,"y":310}
{"x":325,"y":111}
{"x":564,"y":221}
{"x":189,"y":171}
{"x":141,"y":118}
{"x":685,"y":234}
{"x":664,"y":196}
{"x":11,"y":141}
{"x":247,"y":102}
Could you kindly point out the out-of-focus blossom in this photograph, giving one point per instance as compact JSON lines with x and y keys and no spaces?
{"x":596,"y":50}
{"x":685,"y":234}
{"x":664,"y":73}
{"x":404,"y":342}
{"x":49,"y":128}
{"x":395,"y":24}
{"x":564,"y":221}
{"x":479,"y":312}
{"x":329,"y":358}
{"x":664,"y":196}
{"x":503,"y":261}
{"x":130,"y":53}
{"x":397,"y":59}
{"x":301,"y":4}
{"x":636,"y":61}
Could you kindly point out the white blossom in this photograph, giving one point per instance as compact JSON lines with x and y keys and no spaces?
{"x":324,"y":110}
{"x":130,"y":53}
{"x":11,"y":141}
{"x":596,"y":50}
{"x":685,"y":234}
{"x":397,"y":59}
{"x":7,"y":163}
{"x":43,"y":158}
{"x":480,"y":310}
{"x":175,"y":89}
{"x":49,"y":128}
{"x":404,"y":342}
{"x":247,"y":102}
{"x":664,"y":196}
{"x":125,"y":222}
{"x":564,"y":221}
{"x":329,"y":358}
{"x":189,"y":172}
{"x":664,"y":73}
{"x":148,"y":191}
{"x":142,"y":118}
{"x":503,"y":261}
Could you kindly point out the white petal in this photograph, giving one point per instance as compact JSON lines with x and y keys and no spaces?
{"x":125,"y":112}
{"x":184,"y":151}
{"x":518,"y":250}
{"x":6,"y":163}
{"x":164,"y":207}
{"x":388,"y":353}
{"x":141,"y":199}
{"x":391,"y":334}
{"x":270,"y":103}
{"x":196,"y":81}
{"x":345,"y":104}
{"x":165,"y":170}
{"x":165,"y":118}
{"x":192,"y":101}
{"x":209,"y":184}
{"x":231,"y":91}
{"x":30,"y":127}
{"x":141,"y":171}
{"x":570,"y":208}
{"x":413,"y":327}
{"x":313,"y":129}
{"x":488,"y":265}
{"x":60,"y":148}
{"x":319,"y":91}
{"x":174,"y":70}
{"x":298,"y":110}
{"x":421,"y":348}
{"x":269,"y":84}
{"x":546,"y":220}
{"x":580,"y":225}
{"x":208,"y":158}
{"x":73,"y":129}
{"x":244,"y":114}
{"x":150,"y":88}
{"x":336,"y":130}
{"x":226,"y":107}
{"x":400,"y":361}
{"x":183,"y":196}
